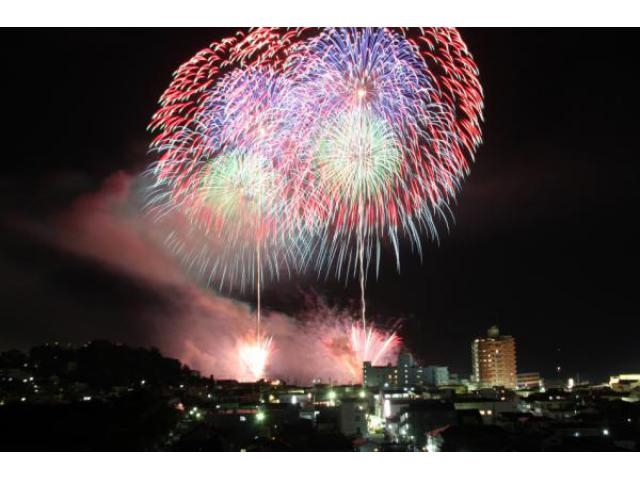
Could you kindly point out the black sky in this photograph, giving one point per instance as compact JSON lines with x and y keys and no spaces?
{"x":544,"y":242}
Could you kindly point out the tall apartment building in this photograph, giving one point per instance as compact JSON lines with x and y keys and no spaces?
{"x":493,"y":360}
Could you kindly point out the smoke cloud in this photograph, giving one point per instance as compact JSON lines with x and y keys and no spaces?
{"x":192,"y":322}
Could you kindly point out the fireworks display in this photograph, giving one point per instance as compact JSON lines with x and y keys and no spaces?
{"x":296,"y":149}
{"x":346,"y":342}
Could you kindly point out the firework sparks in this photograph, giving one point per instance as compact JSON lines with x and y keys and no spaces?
{"x":359,"y":132}
{"x":346,"y":342}
{"x":370,"y":344}
{"x":253,"y":355}
{"x":363,"y":344}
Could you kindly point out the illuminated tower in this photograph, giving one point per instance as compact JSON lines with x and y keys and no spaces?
{"x":494,"y":359}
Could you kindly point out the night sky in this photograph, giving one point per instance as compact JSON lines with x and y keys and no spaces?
{"x":544,"y":242}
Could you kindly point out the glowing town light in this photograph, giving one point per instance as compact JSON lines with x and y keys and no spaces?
{"x":386,"y":408}
{"x":605,"y":432}
{"x":260,"y":416}
{"x":332,"y":395}
{"x":294,"y":400}
{"x":362,"y":394}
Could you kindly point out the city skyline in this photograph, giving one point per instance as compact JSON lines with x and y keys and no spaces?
{"x":64,"y":395}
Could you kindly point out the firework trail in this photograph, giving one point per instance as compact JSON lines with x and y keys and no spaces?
{"x":293,"y":148}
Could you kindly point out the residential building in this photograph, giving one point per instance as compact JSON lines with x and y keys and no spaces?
{"x":494,"y":360}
